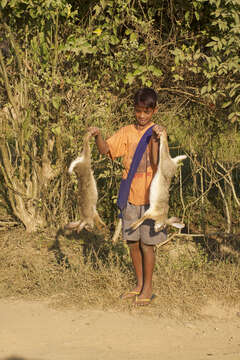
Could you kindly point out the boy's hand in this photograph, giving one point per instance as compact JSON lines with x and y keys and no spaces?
{"x":94,"y":131}
{"x":158,"y":130}
{"x":102,"y":145}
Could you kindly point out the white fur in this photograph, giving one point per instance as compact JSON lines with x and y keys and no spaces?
{"x":74,"y":163}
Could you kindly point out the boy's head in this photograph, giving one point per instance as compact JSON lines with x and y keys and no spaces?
{"x":145,"y":103}
{"x":146,"y":97}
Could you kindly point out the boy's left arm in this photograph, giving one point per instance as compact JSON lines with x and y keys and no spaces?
{"x":154,"y":149}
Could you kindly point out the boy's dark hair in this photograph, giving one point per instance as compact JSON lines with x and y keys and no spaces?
{"x":147,"y":97}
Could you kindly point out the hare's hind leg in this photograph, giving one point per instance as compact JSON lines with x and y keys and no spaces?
{"x":175,"y":222}
{"x":137,"y":223}
{"x":72,"y":225}
{"x":98,"y":221}
{"x":159,"y":226}
{"x":81,"y":226}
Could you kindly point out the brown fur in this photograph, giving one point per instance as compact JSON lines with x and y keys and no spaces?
{"x":87,"y":190}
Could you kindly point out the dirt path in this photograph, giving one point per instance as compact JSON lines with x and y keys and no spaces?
{"x":35,"y":331}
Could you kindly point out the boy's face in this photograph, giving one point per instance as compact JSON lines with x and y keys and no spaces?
{"x":144,"y":115}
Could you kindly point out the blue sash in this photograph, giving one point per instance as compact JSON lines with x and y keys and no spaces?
{"x":126,"y":183}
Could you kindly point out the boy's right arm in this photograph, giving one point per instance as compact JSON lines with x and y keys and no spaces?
{"x":102,"y":145}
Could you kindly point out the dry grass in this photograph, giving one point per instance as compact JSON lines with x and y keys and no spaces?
{"x":86,"y":271}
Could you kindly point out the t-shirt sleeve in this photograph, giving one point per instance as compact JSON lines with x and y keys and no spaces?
{"x":117,"y":144}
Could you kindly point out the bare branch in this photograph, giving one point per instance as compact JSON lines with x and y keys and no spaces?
{"x":227,"y":177}
{"x":229,"y":222}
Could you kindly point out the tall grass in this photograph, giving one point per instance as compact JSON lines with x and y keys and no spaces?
{"x":88,"y":271}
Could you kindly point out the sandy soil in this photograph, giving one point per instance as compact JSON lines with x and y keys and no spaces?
{"x":36,"y":331}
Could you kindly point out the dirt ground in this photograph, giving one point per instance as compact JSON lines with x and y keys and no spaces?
{"x":33,"y":330}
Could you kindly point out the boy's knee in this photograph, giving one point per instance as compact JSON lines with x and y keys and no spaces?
{"x":133,"y":244}
{"x":146,"y":247}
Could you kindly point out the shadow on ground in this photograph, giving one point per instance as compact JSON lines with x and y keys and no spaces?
{"x":91,"y":245}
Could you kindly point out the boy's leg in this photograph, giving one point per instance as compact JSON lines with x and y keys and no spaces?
{"x":148,"y":266}
{"x":136,"y":256}
{"x":149,"y":238}
{"x":130,"y":214}
{"x":137,"y":260}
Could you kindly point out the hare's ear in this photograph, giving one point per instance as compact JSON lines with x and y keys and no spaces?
{"x":179,"y":158}
{"x":176,"y":222}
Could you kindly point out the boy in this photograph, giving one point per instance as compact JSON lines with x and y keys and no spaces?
{"x":123,"y":144}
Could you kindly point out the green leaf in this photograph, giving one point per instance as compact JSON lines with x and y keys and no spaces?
{"x":133,"y":37}
{"x":141,"y":48}
{"x":114,"y":40}
{"x":76,"y":68}
{"x":237,"y":100}
{"x":232,"y":92}
{"x":140,"y":69}
{"x":97,"y":9}
{"x":211,"y":43}
{"x":56,"y":130}
{"x":148,"y":83}
{"x":226,"y":104}
{"x":144,"y":79}
{"x":197,"y":16}
{"x":234,"y":116}
{"x":4,"y":3}
{"x":41,"y":109}
{"x":56,"y":101}
{"x":187,"y":15}
{"x":155,"y":71}
{"x":86,"y":48}
{"x":103,"y":4}
{"x":129,"y":78}
{"x":177,"y":77}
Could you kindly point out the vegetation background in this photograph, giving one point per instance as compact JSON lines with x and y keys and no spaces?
{"x":66,"y":65}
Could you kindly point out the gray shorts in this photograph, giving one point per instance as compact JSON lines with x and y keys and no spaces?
{"x":144,"y":232}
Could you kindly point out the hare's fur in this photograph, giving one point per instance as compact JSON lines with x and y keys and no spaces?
{"x":87,"y":190}
{"x":159,"y":189}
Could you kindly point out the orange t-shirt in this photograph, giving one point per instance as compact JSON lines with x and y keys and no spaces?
{"x":123,"y":144}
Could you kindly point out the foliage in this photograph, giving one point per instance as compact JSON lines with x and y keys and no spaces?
{"x":112,"y":49}
{"x":213,"y":64}
{"x":74,"y":65}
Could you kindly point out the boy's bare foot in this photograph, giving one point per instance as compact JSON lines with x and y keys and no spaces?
{"x":143,"y":301}
{"x":130,"y":294}
{"x":145,"y":297}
